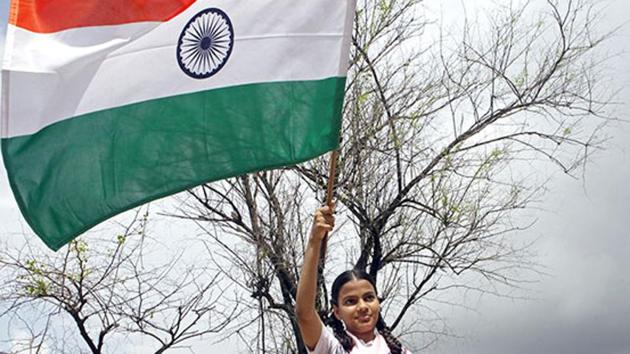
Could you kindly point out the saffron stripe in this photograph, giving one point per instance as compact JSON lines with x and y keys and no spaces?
{"x":47,"y":16}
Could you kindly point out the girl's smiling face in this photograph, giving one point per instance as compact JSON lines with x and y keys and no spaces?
{"x":358,"y":307}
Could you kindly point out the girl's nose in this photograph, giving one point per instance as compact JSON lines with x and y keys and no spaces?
{"x":362,"y":304}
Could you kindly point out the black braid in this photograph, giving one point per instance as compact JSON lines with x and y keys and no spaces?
{"x":392,"y":342}
{"x":340,"y":333}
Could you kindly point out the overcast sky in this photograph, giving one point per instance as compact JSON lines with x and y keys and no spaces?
{"x":583,"y":306}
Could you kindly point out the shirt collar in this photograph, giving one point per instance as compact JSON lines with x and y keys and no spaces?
{"x":364,"y":343}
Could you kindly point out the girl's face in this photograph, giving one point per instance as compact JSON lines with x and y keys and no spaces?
{"x":359,"y":308}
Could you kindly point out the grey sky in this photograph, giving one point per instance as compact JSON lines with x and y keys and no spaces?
{"x":583,"y":306}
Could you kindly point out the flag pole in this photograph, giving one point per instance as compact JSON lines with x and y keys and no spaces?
{"x":332,"y":172}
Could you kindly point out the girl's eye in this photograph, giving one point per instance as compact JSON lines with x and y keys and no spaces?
{"x":369,"y":298}
{"x":350,"y":301}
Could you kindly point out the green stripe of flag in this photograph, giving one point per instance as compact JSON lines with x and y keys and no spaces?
{"x":76,"y":173}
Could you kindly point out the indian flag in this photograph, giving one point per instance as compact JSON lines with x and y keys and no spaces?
{"x":108,"y":104}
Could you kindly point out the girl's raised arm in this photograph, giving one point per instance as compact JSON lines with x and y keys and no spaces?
{"x":310,"y":325}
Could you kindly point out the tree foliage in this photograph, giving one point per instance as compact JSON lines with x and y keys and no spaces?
{"x":91,"y":297}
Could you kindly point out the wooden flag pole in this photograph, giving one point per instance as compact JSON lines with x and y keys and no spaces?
{"x":332,"y":171}
{"x":334,"y":156}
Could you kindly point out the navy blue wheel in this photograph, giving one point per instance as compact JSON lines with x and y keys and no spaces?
{"x":205,"y":44}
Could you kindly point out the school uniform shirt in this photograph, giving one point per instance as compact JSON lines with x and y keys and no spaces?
{"x":328,"y":344}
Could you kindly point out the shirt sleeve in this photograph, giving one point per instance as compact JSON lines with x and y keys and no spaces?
{"x":327,"y":343}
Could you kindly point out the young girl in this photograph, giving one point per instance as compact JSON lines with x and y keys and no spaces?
{"x":356,"y":322}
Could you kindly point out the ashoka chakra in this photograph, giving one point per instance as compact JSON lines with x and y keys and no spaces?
{"x":205,"y":44}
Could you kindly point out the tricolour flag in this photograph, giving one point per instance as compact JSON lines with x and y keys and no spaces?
{"x":108,"y":104}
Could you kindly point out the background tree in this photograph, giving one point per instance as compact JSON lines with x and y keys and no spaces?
{"x":93,"y":297}
{"x":444,"y":139}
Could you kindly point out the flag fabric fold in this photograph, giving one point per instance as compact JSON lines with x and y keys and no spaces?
{"x":107,"y":105}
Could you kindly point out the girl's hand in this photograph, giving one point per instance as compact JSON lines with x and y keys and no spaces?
{"x":323,"y":222}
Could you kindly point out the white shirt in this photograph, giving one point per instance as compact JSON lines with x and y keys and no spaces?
{"x":328,"y":344}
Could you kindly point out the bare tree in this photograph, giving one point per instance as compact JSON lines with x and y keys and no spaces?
{"x":96,"y":295}
{"x":444,"y":141}
{"x":263,"y":214}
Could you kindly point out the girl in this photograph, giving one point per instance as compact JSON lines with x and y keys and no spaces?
{"x":356,"y":317}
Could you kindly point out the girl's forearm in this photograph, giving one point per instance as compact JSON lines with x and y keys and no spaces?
{"x":307,"y":287}
{"x":308,"y":320}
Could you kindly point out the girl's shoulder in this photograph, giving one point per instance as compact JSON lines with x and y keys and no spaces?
{"x":328,"y":343}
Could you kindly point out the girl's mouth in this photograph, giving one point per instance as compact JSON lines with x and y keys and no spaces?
{"x":364,"y":318}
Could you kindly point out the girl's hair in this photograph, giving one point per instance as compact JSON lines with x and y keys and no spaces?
{"x":338,"y":327}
